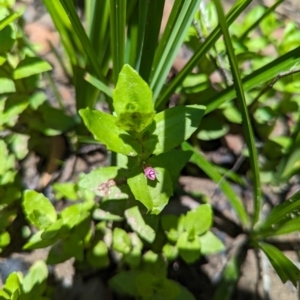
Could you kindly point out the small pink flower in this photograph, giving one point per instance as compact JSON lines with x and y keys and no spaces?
{"x":150,"y":173}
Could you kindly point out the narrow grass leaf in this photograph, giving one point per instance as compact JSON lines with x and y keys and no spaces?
{"x":9,"y":19}
{"x":285,"y":269}
{"x":154,"y":17}
{"x":64,"y":28}
{"x":98,"y":84}
{"x":234,"y":12}
{"x":280,"y":211}
{"x":117,"y":25}
{"x":256,"y":23}
{"x":249,"y":136}
{"x":264,"y":74}
{"x":168,"y":49}
{"x":82,"y":36}
{"x":97,"y":18}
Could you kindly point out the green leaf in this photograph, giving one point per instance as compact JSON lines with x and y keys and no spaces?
{"x":121,"y":241}
{"x":14,"y":106}
{"x":19,"y":145}
{"x":12,"y":285}
{"x":65,"y":190}
{"x":184,"y":294}
{"x":132,"y":100}
{"x":31,"y":66}
{"x":167,"y":159}
{"x":125,"y":282}
{"x":4,"y":295}
{"x":57,"y":254}
{"x":97,"y":256}
{"x":153,"y":194}
{"x":110,"y":211}
{"x":172,"y":226}
{"x":155,"y":264}
{"x":37,"y":242}
{"x":145,"y":283}
{"x":285,"y":269}
{"x":9,"y":193}
{"x":37,"y":99}
{"x":34,"y":282}
{"x":53,"y":230}
{"x":3,"y":157}
{"x":103,"y":127}
{"x":151,"y":287}
{"x":4,"y":239}
{"x":108,"y":182}
{"x":210,"y":244}
{"x":6,"y":85}
{"x":137,"y":223}
{"x":74,"y":215}
{"x":232,"y":114}
{"x":7,"y":216}
{"x":73,"y":247}
{"x":199,"y":219}
{"x":195,"y":83}
{"x":7,"y":39}
{"x":170,"y":252}
{"x":166,"y":289}
{"x":3,"y":59}
{"x":189,"y":249}
{"x":133,"y":258}
{"x":38,"y":209}
{"x":51,"y":121}
{"x":212,"y":129}
{"x":171,"y":127}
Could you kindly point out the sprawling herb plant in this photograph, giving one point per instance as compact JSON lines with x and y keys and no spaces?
{"x":117,"y":213}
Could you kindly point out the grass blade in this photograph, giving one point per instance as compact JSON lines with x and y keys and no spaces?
{"x":258,"y":77}
{"x":83,"y":38}
{"x":180,"y":19}
{"x":98,"y":84}
{"x":9,"y":19}
{"x":154,"y":16}
{"x":118,"y":26}
{"x":133,"y":39}
{"x":235,"y":11}
{"x":249,"y":136}
{"x":97,"y":17}
{"x":64,"y":28}
{"x":256,"y":23}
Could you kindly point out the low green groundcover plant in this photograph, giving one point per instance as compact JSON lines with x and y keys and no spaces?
{"x":115,"y":216}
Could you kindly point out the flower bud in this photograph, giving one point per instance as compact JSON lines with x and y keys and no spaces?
{"x":150,"y":173}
